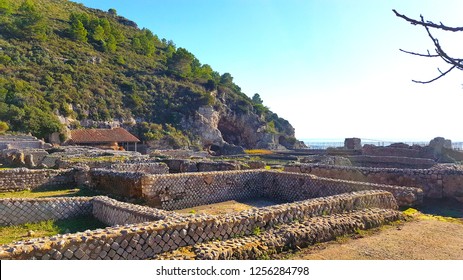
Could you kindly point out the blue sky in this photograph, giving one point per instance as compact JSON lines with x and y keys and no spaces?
{"x":332,"y":68}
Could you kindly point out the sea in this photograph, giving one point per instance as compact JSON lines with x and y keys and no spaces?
{"x":324,"y":143}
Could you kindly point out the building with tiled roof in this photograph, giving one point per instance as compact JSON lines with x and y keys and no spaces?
{"x":111,"y":138}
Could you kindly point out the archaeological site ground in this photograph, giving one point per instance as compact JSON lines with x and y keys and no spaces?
{"x":184,"y":205}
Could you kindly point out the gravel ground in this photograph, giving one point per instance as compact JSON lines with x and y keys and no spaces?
{"x":419,"y":239}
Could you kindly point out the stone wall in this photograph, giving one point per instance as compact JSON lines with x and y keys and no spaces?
{"x":146,"y":240}
{"x":146,"y":167}
{"x":411,"y":152}
{"x":119,"y":183}
{"x":177,"y":191}
{"x":28,"y":210}
{"x":294,"y":187}
{"x":185,"y":165}
{"x":18,"y":179}
{"x":298,"y":234}
{"x":391,"y":162}
{"x":29,"y":158}
{"x":33,"y":144}
{"x":439,"y":182}
{"x":113,"y":212}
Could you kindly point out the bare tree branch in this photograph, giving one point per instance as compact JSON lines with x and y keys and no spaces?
{"x":440,"y":76}
{"x":455,"y":62}
{"x":428,"y":23}
{"x":419,"y":54}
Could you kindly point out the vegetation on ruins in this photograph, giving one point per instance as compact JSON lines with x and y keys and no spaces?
{"x":59,"y":58}
{"x":3,"y":127}
{"x":47,"y":228}
{"x":48,"y":193}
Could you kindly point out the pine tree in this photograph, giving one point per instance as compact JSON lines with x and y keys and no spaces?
{"x":98,"y":34}
{"x":5,"y":7}
{"x":110,"y":44}
{"x":30,"y":23}
{"x":78,"y":31}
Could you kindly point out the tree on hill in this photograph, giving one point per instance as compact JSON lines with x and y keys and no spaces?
{"x":139,"y":76}
{"x":3,"y":127}
{"x":180,"y":64}
{"x":5,"y":7}
{"x":98,"y":33}
{"x":30,"y":23}
{"x":256,"y":99}
{"x":439,"y":52}
{"x":112,"y":12}
{"x":77,"y":30}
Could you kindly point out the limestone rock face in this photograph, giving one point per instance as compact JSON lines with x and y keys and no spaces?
{"x":229,"y":132}
{"x":204,"y":124}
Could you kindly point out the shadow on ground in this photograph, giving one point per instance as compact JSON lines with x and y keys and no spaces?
{"x":442,"y":207}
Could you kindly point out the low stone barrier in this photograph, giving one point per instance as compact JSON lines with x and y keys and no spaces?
{"x":113,"y":212}
{"x":185,"y":165}
{"x":392,"y":162}
{"x":288,"y":186}
{"x":409,"y":152}
{"x":18,"y":179}
{"x":437,"y":182}
{"x":145,"y":240}
{"x":146,"y":167}
{"x":15,"y":211}
{"x":294,"y":235}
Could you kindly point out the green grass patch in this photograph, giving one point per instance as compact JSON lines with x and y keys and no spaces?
{"x":10,"y":234}
{"x":415,"y":214}
{"x":43,"y":193}
{"x":97,"y":159}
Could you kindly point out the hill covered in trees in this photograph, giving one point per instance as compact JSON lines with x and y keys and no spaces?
{"x":64,"y":65}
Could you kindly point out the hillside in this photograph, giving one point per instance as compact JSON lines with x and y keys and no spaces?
{"x":65,"y":66}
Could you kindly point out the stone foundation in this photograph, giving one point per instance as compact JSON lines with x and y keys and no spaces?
{"x":18,"y":179}
{"x":146,"y":167}
{"x":113,"y":212}
{"x":178,"y":191}
{"x":119,"y":183}
{"x":185,"y":190}
{"x":443,"y":182}
{"x":392,"y":162}
{"x":148,"y":239}
{"x":298,"y":234}
{"x":185,"y":165}
{"x":288,"y":186}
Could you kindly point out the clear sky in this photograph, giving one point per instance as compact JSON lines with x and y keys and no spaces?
{"x":333,"y":69}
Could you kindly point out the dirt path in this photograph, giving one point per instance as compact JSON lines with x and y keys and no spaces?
{"x":429,"y":239}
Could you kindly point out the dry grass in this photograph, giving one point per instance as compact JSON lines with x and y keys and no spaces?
{"x":258,"y":152}
{"x":47,"y":193}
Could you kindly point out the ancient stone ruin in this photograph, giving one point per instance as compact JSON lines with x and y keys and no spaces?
{"x":310,"y":203}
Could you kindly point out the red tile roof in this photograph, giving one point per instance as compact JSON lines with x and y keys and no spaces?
{"x":102,"y":135}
